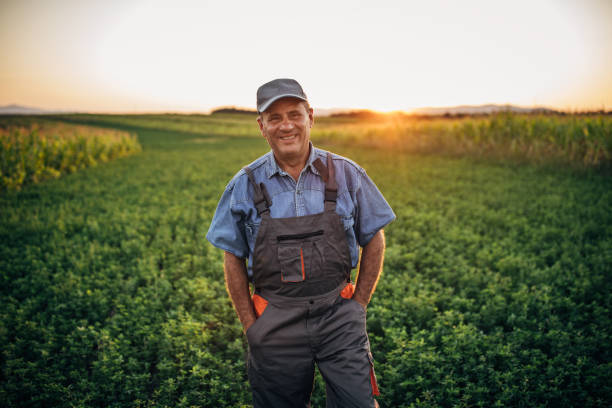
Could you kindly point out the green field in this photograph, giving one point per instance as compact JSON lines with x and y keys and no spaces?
{"x":496,"y":289}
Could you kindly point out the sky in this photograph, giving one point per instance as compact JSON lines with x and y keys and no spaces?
{"x":193,"y":56}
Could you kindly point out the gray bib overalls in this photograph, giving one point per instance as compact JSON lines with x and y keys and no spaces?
{"x":301,"y":273}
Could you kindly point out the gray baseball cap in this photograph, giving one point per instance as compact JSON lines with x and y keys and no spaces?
{"x":274,"y":90}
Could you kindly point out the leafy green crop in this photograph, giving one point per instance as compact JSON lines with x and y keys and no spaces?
{"x":495,"y":292}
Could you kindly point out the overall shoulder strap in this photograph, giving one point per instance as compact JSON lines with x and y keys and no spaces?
{"x":261,"y":197}
{"x":329,"y":176}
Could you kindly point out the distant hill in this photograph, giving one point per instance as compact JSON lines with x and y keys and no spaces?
{"x":21,"y":110}
{"x":442,"y":111}
{"x":479,"y":110}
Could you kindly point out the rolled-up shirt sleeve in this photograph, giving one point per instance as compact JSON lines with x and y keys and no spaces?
{"x":373,"y":211}
{"x":227,"y":231}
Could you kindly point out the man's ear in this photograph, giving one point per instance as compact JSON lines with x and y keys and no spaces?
{"x":260,"y":123}
{"x":311,"y":116}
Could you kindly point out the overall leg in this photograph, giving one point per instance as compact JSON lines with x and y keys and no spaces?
{"x":280,"y":362}
{"x":343,"y":356}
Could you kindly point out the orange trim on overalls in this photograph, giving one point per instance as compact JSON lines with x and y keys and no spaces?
{"x":302,"y":259}
{"x":347,"y":292}
{"x":259,"y":304}
{"x":375,"y":390}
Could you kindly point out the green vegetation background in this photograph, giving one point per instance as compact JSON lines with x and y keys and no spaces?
{"x":496,"y":287}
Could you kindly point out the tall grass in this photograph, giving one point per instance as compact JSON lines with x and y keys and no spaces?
{"x":585,"y":141}
{"x":29,"y":154}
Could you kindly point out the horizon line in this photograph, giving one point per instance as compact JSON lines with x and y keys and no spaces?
{"x":322,"y":111}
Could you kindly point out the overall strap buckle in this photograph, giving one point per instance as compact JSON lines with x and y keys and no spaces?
{"x":329,"y":176}
{"x":261,"y":198}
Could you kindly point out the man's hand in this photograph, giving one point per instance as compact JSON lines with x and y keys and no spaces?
{"x":370,"y":268}
{"x":237,"y":285}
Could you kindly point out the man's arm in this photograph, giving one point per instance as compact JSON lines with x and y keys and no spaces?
{"x":370,"y":268}
{"x":237,"y":285}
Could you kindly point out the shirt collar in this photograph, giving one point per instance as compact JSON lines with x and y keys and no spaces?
{"x":273,"y":168}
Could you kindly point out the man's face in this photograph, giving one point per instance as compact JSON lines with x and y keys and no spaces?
{"x":286,"y":126}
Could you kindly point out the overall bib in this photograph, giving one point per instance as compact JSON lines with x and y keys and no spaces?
{"x":301,"y":273}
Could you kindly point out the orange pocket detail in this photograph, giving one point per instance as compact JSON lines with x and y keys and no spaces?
{"x":348,"y":291}
{"x":260,"y":304}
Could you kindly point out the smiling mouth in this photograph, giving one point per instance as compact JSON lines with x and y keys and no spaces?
{"x":288,"y":137}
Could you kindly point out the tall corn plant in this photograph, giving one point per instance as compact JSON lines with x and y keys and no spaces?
{"x":35,"y":153}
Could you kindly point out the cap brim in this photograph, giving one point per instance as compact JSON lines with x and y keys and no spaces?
{"x":266,"y":105}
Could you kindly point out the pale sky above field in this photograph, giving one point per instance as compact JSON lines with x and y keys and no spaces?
{"x":121,"y":55}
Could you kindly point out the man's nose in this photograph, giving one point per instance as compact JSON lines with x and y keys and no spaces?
{"x":286,"y":124}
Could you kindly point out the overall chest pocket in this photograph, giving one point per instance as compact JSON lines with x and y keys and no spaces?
{"x":300,"y":255}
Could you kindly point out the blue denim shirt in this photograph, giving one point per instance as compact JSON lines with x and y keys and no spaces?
{"x":362,"y":208}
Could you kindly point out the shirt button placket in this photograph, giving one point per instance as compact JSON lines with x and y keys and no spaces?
{"x":299,"y":199}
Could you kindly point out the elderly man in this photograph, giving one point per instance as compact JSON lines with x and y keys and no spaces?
{"x":298,"y":214}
